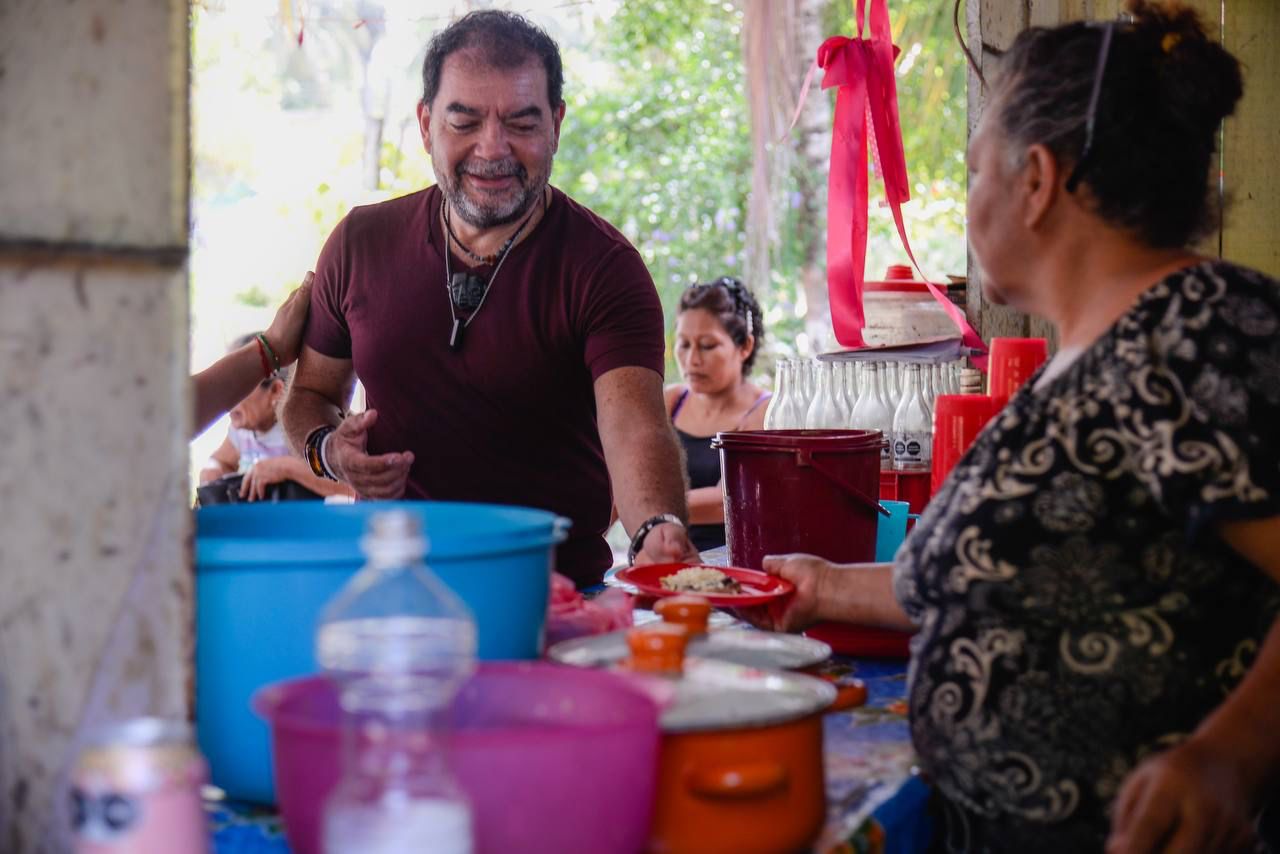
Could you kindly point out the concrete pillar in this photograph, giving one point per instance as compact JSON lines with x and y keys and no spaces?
{"x":95,"y":608}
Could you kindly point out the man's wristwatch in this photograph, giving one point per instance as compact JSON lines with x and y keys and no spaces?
{"x":637,"y":542}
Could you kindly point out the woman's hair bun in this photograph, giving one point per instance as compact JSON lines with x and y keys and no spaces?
{"x":1201,"y":81}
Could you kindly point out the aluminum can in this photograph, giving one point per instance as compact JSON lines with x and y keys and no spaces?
{"x":136,"y":790}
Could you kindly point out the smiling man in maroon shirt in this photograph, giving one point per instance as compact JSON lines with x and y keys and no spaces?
{"x":509,"y":340}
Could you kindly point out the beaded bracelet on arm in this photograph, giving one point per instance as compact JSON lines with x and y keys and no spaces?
{"x":311,"y":451}
{"x":266,"y":348}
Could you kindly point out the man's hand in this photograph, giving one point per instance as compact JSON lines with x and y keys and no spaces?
{"x":263,"y":473}
{"x":800,"y":610}
{"x":285,"y":332}
{"x":1190,"y":798}
{"x":383,"y":476}
{"x":667,"y":543}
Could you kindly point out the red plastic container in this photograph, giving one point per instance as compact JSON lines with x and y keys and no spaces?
{"x":1013,"y":361}
{"x":862,"y":641}
{"x":539,"y":749}
{"x":912,"y":487}
{"x":957,"y":421}
{"x":813,"y":491}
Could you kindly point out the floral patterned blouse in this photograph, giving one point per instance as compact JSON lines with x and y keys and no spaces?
{"x":1077,"y":609}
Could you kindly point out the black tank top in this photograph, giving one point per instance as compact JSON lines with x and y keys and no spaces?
{"x":703,"y":465}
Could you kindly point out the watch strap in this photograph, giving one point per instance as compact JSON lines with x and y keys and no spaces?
{"x":637,"y":541}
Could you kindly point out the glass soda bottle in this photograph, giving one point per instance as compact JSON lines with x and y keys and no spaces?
{"x":823,"y":410}
{"x":873,"y":413}
{"x":775,"y":415}
{"x":399,"y":644}
{"x":913,"y":426}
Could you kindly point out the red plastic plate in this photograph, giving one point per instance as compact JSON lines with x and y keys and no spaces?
{"x":862,"y":641}
{"x":757,"y":587}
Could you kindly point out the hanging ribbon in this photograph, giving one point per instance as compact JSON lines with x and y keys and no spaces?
{"x":867,"y":100}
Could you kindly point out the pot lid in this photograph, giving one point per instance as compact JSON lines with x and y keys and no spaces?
{"x":747,"y":647}
{"x":719,"y":695}
{"x":703,"y":694}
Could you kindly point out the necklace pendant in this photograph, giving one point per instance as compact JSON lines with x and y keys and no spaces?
{"x":455,"y":337}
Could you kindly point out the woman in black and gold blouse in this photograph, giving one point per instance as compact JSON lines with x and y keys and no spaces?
{"x":1095,"y":586}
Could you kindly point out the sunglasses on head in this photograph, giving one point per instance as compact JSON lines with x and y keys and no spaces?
{"x":1095,"y":94}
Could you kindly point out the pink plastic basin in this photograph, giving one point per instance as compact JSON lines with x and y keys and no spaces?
{"x":553,"y":759}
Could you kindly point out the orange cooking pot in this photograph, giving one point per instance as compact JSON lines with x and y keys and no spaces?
{"x":741,"y":760}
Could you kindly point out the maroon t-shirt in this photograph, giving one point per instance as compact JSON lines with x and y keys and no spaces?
{"x":510,"y":417}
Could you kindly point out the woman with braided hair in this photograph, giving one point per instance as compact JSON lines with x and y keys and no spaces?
{"x":718,"y":333}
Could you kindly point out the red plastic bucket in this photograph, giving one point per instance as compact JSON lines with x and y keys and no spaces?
{"x":808,"y":491}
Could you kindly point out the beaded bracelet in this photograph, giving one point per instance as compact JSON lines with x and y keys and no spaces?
{"x":266,"y":347}
{"x":266,"y":366}
{"x":637,"y":542}
{"x":311,"y":451}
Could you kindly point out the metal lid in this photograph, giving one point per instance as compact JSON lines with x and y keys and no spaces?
{"x":717,"y":695}
{"x":747,"y":647}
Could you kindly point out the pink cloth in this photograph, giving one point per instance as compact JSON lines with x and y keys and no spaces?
{"x":571,"y":615}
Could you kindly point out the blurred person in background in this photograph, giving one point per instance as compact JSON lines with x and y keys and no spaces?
{"x":719,"y":330}
{"x":256,"y":446}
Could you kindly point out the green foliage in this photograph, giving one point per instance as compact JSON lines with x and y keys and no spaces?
{"x":657,"y":141}
{"x":254,"y":296}
{"x":933,"y":109}
{"x":656,"y":137}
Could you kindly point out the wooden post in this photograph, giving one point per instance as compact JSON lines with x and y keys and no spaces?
{"x":1251,"y":169}
{"x":992,"y":24}
{"x":1250,"y":233}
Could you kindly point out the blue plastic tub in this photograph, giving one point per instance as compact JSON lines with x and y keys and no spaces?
{"x":265,"y":571}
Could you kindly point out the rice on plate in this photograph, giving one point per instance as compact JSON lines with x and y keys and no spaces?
{"x":700,"y":579}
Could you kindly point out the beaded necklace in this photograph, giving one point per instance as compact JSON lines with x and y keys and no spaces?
{"x":464,"y":289}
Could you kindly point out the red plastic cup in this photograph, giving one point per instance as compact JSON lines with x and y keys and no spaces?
{"x":1013,"y":361}
{"x":957,"y":421}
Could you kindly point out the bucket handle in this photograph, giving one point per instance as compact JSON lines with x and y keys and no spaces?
{"x":806,"y":458}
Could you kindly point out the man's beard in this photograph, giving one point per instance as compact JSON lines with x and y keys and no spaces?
{"x":489,"y":213}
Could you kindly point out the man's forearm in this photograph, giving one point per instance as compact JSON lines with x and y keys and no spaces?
{"x":305,"y":410}
{"x":648,"y":476}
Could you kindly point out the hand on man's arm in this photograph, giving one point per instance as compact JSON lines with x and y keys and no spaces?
{"x":229,"y":380}
{"x":315,"y":398}
{"x":644,"y":462}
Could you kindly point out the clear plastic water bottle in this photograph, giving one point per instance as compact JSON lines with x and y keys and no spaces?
{"x":400,"y":644}
{"x":913,"y":427}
